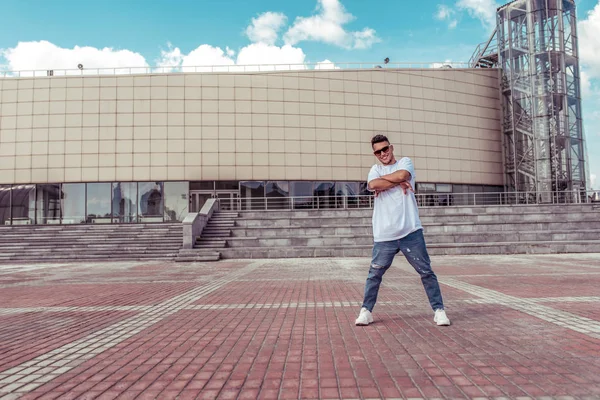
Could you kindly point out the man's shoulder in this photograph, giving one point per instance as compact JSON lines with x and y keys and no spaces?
{"x":376,"y":168}
{"x":405,"y":163}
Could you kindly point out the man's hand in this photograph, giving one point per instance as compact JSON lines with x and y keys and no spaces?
{"x":406,"y":187}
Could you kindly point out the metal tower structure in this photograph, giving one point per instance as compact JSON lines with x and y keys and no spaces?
{"x":536,"y":49}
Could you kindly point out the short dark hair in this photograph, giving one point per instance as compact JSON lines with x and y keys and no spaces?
{"x":379,"y":139}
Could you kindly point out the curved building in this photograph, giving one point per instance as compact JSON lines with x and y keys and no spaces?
{"x":95,"y":148}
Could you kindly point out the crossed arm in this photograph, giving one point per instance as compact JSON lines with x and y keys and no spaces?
{"x":398,"y":178}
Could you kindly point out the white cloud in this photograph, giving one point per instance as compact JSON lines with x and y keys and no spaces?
{"x":207,"y":55}
{"x":445,"y":13}
{"x":208,"y":58}
{"x":265,"y":28}
{"x":326,"y":64}
{"x":327,"y":26}
{"x":43,"y":55}
{"x":170,"y":58}
{"x":445,"y":64}
{"x":593,"y":181}
{"x":484,"y":10}
{"x":365,"y":38}
{"x":261,"y":53}
{"x":203,"y":56}
{"x":586,"y":84}
{"x":589,"y":41}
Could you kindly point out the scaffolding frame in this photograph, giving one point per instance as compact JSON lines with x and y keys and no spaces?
{"x":542,"y":130}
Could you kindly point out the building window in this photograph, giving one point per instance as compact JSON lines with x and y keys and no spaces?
{"x":176,"y":201}
{"x":227,"y":185}
{"x":23,"y":204}
{"x":202,"y":185}
{"x":252,"y":195}
{"x":302,"y":192}
{"x":98,"y":203}
{"x":48,"y":204}
{"x":325,"y":194}
{"x":5,"y":205}
{"x":150,"y":202}
{"x":73,"y":203}
{"x":124,"y":202}
{"x":443,"y":188}
{"x":277,"y":193}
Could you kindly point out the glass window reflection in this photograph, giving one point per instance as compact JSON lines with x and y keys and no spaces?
{"x":226,"y":185}
{"x":347,"y":194}
{"x":252,"y":194}
{"x":73,"y":203}
{"x":48,"y":204}
{"x":325,"y":192}
{"x":150,"y":201}
{"x":98,"y":203}
{"x":302,"y":191}
{"x":176,"y":201}
{"x":4,"y":204}
{"x":23,"y":204}
{"x":277,"y":193}
{"x":124,"y":202}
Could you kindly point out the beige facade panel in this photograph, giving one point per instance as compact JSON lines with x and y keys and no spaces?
{"x":300,"y":125}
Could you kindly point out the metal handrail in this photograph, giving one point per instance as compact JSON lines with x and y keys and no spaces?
{"x":223,"y":68}
{"x":423,"y":200}
{"x":483,"y":49}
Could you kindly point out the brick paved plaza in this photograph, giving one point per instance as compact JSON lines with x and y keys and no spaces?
{"x":523,"y":327}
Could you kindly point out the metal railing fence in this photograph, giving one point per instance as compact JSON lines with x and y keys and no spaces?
{"x":224,"y":68}
{"x":423,"y":200}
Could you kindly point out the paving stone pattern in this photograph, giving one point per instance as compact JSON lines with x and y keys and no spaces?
{"x":524,"y":327}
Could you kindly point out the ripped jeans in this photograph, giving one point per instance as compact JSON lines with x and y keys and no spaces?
{"x":414,"y":249}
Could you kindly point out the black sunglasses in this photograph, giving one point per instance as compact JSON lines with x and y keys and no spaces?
{"x":382,"y":150}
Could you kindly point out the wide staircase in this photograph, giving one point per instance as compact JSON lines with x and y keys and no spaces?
{"x":539,"y":229}
{"x":62,"y":243}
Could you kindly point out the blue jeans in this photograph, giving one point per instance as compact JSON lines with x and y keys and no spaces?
{"x":414,"y":249}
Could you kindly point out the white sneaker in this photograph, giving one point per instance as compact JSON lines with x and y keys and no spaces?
{"x":440,"y":318}
{"x":364,"y":318}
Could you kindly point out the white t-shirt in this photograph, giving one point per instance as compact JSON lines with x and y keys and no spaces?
{"x":395,"y":214}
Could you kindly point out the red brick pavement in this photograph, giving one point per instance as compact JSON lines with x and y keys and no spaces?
{"x":27,"y":335}
{"x":285,"y":329}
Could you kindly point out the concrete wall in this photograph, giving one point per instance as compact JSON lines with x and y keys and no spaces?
{"x":301,"y":125}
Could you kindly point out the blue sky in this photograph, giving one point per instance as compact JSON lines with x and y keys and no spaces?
{"x":41,"y":35}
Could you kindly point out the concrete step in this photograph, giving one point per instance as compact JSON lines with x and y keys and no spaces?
{"x":90,"y":227}
{"x":88,"y":247}
{"x":50,"y":255}
{"x":67,"y":243}
{"x":107,"y":250}
{"x":89,"y":242}
{"x":92,"y":234}
{"x":213,"y":244}
{"x":190,"y":255}
{"x":212,"y":223}
{"x":367,"y":238}
{"x":593,"y":223}
{"x":316,"y":221}
{"x":431,"y":229}
{"x":433,"y":249}
{"x":217,"y":233}
{"x":430,"y":211}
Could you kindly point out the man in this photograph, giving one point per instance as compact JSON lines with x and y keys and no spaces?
{"x":397,"y":227}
